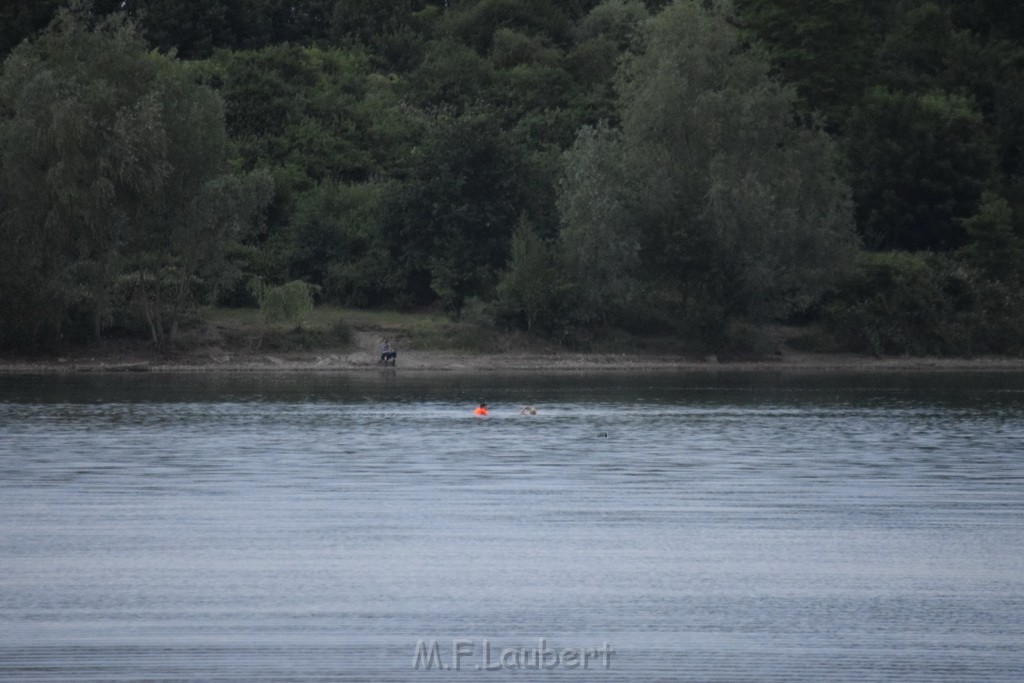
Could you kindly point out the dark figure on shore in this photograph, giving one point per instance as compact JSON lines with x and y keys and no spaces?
{"x":387,"y":353}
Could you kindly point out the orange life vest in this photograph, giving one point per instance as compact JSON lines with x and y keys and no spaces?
{"x":480,"y":411}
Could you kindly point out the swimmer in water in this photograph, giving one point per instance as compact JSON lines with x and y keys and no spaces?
{"x":481,"y":410}
{"x":528,"y":410}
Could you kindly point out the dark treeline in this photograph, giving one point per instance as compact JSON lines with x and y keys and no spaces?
{"x":694,"y":168}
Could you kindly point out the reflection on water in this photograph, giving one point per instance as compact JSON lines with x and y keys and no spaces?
{"x":707,"y":528}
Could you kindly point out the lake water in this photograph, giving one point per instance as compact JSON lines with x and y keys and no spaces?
{"x":663,"y":527}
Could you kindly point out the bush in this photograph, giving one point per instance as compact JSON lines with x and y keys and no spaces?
{"x":287,"y":302}
{"x":924,"y":304}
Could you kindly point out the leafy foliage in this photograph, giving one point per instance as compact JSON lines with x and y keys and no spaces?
{"x":601,"y":243}
{"x":925,"y":304}
{"x":802,"y":35}
{"x":709,"y":189}
{"x":994,"y":248}
{"x":450,"y":224}
{"x":532,"y":293}
{"x":337,"y":243}
{"x":115,"y":175}
{"x":918,"y":165}
{"x":678,"y":164}
{"x":287,"y":302}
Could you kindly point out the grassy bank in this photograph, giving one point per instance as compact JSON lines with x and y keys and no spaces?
{"x":339,"y":329}
{"x":330,"y":339}
{"x":239,"y":333}
{"x":334,"y":328}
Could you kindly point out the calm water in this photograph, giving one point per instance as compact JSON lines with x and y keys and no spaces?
{"x":319,"y":528}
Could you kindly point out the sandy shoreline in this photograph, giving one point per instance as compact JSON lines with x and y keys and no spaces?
{"x":453,"y":362}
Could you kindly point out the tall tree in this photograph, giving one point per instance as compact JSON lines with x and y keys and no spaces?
{"x":451,"y":222}
{"x":918,"y":166}
{"x":531,"y":293}
{"x":600,"y":239}
{"x":114,"y":170}
{"x":337,"y":243}
{"x":725,"y":199}
{"x":805,"y":35}
{"x":79,"y":129}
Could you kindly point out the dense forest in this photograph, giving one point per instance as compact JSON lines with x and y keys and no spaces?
{"x":695,"y":168}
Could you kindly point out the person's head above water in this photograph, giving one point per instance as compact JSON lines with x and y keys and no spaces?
{"x":481,"y":409}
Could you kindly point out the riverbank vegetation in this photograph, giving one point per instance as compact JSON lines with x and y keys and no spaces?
{"x":561,"y":171}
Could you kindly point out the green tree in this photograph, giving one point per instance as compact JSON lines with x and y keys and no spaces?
{"x":925,"y":51}
{"x":899,"y":303}
{"x":395,"y":32}
{"x":450,"y":223}
{"x":926,"y":303}
{"x":192,"y":28}
{"x":299,"y":106}
{"x":918,"y":165}
{"x":615,"y":20}
{"x":804,"y":35}
{"x":115,"y":178}
{"x":451,"y":75}
{"x":993,"y":247}
{"x":80,"y":128}
{"x":599,"y":236}
{"x":602,"y":36}
{"x":475,"y":23}
{"x":710,"y":187}
{"x":287,"y":302}
{"x":312,"y":117}
{"x":337,"y":243}
{"x":531,"y":293}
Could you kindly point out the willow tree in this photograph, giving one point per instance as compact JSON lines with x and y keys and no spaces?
{"x":710,"y":197}
{"x":115,"y":181}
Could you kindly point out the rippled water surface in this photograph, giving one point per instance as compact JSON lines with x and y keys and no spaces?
{"x":731,"y":528}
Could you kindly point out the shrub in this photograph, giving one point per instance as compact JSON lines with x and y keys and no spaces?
{"x":287,"y":302}
{"x":925,"y":304}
